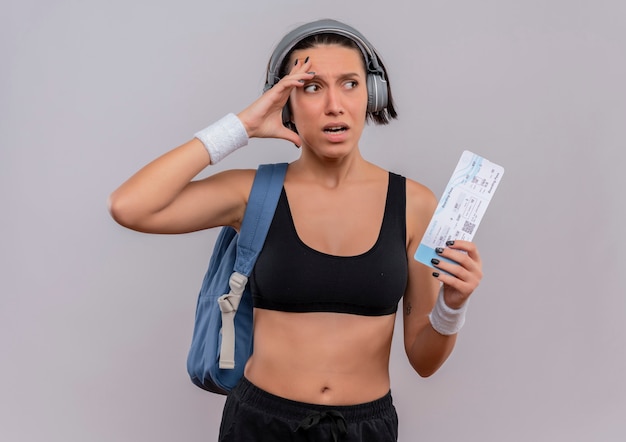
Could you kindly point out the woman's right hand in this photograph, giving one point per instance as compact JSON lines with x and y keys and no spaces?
{"x":162,"y":198}
{"x":263,"y":118}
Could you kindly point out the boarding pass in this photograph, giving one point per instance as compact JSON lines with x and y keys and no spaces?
{"x":462,"y":206}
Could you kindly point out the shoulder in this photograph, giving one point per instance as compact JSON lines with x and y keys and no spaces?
{"x":419,"y":198}
{"x":420,"y":206}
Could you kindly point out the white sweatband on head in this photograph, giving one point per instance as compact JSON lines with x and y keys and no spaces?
{"x":223,"y":137}
{"x":445,"y":320}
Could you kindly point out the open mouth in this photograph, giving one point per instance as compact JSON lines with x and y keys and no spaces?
{"x":335,"y":129}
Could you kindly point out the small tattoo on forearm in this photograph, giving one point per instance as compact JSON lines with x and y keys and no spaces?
{"x":408,"y":309}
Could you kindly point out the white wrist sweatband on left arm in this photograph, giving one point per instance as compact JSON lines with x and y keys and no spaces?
{"x":223,"y":137}
{"x":445,"y":320}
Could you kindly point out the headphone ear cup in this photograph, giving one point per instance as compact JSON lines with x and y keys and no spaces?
{"x":376,"y":93}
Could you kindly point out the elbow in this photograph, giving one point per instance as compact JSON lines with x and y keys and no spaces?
{"x":122,"y":212}
{"x":427,"y":364}
{"x":429,"y":351}
{"x":425,"y":371}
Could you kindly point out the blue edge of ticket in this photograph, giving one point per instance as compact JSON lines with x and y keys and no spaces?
{"x":462,"y":206}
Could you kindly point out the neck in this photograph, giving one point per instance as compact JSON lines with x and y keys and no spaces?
{"x":329,"y":172}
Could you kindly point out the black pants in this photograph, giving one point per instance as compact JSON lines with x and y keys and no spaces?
{"x":254,"y":415}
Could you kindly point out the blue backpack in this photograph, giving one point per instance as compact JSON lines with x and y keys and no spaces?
{"x":218,"y":354}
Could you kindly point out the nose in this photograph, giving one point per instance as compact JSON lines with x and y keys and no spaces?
{"x":333,"y":101}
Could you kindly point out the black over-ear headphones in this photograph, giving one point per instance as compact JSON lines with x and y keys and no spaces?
{"x":376,"y":81}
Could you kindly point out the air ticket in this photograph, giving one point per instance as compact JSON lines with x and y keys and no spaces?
{"x":462,"y":206}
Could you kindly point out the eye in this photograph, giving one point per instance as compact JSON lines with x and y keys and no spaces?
{"x":311,"y":87}
{"x":351,"y":84}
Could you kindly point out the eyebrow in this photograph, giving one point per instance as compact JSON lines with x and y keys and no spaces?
{"x":341,"y":76}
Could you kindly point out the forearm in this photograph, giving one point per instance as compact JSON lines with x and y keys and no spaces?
{"x":429,"y":350}
{"x":435,"y":339}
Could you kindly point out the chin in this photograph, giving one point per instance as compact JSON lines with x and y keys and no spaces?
{"x":334,"y":152}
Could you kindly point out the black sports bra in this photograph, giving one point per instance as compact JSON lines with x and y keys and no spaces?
{"x":289,"y":276}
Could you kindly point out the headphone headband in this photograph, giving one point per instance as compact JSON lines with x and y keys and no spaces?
{"x":320,"y":27}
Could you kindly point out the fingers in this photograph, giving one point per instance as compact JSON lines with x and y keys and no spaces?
{"x":263,"y":118}
{"x":289,"y":135}
{"x":300,"y":65}
{"x":297,"y":76}
{"x":463,"y":252}
{"x":464,"y":273}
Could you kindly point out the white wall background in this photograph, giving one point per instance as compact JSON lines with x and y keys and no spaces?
{"x":95,"y":320}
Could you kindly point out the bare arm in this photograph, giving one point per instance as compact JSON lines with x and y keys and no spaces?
{"x":162,"y":198}
{"x":426,"y":349}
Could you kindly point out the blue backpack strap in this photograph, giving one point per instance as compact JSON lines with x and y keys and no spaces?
{"x":268,"y":184}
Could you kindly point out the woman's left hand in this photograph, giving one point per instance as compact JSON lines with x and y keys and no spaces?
{"x":464,"y":276}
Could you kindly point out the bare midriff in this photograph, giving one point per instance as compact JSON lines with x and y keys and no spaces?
{"x":321,"y":358}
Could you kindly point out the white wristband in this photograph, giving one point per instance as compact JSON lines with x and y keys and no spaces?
{"x":445,"y":320}
{"x":223,"y":137}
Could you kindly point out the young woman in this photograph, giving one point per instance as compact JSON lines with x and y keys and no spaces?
{"x":339,"y":254}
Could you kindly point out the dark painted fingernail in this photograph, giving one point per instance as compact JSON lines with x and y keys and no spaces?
{"x":439,"y":250}
{"x":436,"y":274}
{"x":301,"y":81}
{"x":434,"y":261}
{"x":306,"y":60}
{"x":450,"y":243}
{"x":311,"y":73}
